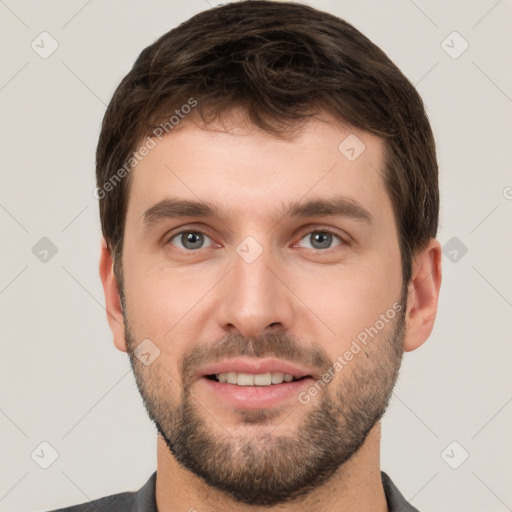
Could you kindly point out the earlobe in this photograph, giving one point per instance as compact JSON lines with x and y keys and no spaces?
{"x":112,"y":300}
{"x":423,"y":295}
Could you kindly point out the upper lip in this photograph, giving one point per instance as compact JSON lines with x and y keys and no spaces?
{"x":252,"y":366}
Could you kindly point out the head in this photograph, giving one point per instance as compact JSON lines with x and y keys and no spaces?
{"x":314,"y":163}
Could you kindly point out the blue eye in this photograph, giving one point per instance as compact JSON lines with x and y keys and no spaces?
{"x":190,"y":240}
{"x":322,"y":239}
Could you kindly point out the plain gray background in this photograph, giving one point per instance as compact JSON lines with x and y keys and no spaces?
{"x":62,"y":380}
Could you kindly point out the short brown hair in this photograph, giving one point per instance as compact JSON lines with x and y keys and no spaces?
{"x":282,"y":63}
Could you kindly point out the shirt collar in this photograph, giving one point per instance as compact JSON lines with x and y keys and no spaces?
{"x":145,"y":499}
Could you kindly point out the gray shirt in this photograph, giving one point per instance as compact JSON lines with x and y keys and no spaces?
{"x":144,"y":500}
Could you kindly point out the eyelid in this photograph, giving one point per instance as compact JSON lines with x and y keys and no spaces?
{"x":199,"y":228}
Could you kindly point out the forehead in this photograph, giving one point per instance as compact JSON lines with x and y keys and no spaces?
{"x":244,"y":172}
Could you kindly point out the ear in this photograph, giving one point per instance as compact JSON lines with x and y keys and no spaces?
{"x":112,"y":299}
{"x":423,"y":295}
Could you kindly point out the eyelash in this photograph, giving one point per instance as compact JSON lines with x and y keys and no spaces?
{"x":317,"y":230}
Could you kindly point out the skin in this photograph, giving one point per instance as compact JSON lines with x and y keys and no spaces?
{"x":314,"y":301}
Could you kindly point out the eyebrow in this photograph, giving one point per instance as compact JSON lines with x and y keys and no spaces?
{"x":338,"y":206}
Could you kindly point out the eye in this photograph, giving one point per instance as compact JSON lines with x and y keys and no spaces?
{"x":190,"y":240}
{"x":321,"y":239}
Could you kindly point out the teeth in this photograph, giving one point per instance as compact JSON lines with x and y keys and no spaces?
{"x":262,"y":379}
{"x":277,"y":377}
{"x":248,"y":379}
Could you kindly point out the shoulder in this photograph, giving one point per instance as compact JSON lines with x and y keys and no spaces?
{"x":395,"y":499}
{"x":113,"y":503}
{"x":142,"y":500}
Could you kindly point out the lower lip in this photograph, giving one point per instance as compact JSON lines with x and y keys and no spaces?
{"x":257,"y":397}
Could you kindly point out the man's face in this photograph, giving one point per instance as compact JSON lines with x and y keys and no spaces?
{"x":261,"y":286}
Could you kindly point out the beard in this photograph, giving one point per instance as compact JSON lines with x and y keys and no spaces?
{"x":266,"y":468}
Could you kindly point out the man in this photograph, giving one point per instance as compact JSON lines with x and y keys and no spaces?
{"x":269,"y":202}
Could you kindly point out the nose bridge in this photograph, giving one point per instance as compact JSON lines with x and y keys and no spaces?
{"x":255,"y":298}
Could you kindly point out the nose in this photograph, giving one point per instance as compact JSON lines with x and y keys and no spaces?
{"x":255,"y":298}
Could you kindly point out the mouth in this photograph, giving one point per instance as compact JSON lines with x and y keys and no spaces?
{"x":249,"y":383}
{"x":246,"y":371}
{"x":254,"y":391}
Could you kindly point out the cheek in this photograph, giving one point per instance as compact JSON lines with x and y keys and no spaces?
{"x":348,"y":299}
{"x":165,"y":307}
{"x":156,"y":297}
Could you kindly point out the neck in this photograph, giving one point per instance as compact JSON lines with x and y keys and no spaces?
{"x":356,"y":487}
